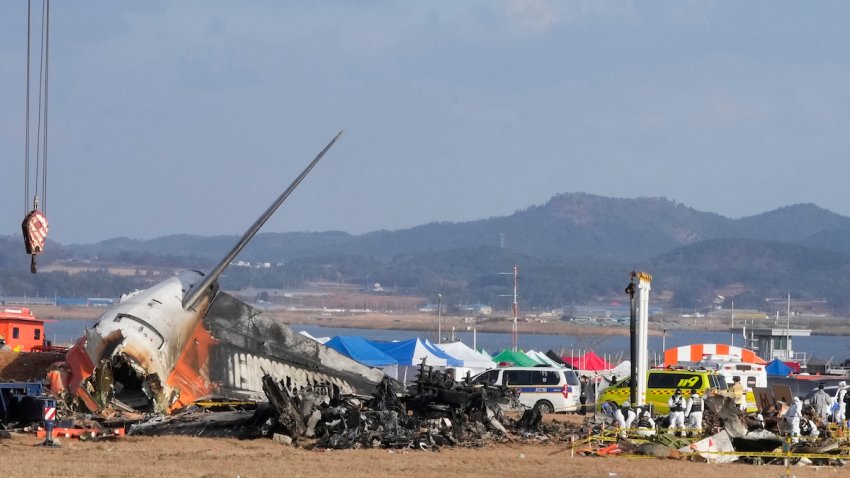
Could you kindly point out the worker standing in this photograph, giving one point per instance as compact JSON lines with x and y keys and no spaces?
{"x":820,"y":402}
{"x":677,"y":412}
{"x":693,"y":411}
{"x":793,"y":416}
{"x":582,"y":398}
{"x":839,"y":407}
{"x":739,"y":393}
{"x":846,"y":419}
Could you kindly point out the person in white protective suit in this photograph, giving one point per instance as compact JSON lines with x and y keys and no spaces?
{"x":809,"y":428}
{"x":677,"y":413}
{"x":694,"y":407}
{"x":838,"y":405}
{"x":624,"y":416}
{"x":793,"y":417}
{"x":646,"y":425}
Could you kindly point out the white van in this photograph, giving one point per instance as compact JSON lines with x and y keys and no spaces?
{"x":551,"y":389}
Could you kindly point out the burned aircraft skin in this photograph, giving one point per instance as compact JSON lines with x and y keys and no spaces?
{"x":131,"y":357}
{"x":148,"y":354}
{"x":181,"y":340}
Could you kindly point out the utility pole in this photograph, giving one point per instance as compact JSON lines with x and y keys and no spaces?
{"x":439,"y":318}
{"x":731,"y":325}
{"x":788,"y":331}
{"x":516,"y":312}
{"x":630,"y":291}
{"x":515,"y":309}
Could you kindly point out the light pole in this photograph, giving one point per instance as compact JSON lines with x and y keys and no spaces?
{"x":731,"y":325}
{"x":439,"y":318}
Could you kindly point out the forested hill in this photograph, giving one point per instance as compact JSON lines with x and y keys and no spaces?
{"x":573,"y":249}
{"x":567,"y":226}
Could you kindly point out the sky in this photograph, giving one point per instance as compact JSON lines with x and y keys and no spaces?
{"x":192,"y":116}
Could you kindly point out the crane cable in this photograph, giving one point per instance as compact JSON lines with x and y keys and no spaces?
{"x":35,"y":223}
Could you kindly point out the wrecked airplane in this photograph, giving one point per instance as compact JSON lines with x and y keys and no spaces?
{"x":162,"y":348}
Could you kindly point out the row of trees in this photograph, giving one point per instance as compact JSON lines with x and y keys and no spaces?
{"x":473,"y":274}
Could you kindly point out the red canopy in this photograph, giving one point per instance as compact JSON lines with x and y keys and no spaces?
{"x":588,"y":361}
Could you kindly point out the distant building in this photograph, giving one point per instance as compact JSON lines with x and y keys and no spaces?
{"x":478,"y":309}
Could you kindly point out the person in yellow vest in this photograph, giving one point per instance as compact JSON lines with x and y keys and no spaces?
{"x":739,"y":394}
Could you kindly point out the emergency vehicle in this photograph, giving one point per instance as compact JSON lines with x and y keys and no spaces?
{"x":551,"y":389}
{"x":661,"y":384}
{"x":20,"y":330}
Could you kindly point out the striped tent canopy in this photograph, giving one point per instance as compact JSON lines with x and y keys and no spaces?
{"x":696,"y":352}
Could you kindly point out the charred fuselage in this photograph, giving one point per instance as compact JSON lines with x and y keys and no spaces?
{"x":148,"y":354}
{"x":182,"y":340}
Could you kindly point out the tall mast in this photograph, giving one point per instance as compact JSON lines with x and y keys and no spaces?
{"x":788,"y":330}
{"x":516,"y":311}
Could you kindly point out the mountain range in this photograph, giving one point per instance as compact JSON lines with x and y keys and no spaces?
{"x":575,"y":248}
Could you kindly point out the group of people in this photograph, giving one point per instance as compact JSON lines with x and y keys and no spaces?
{"x":824,"y":407}
{"x":686,"y":414}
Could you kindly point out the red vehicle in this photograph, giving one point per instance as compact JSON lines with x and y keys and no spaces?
{"x":20,"y":330}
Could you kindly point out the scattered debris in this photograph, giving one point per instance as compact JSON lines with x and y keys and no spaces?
{"x":316,"y":411}
{"x":438,"y":413}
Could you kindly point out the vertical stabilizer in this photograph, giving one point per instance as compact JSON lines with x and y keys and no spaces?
{"x":193,"y":294}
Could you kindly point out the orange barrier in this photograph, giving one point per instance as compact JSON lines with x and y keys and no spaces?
{"x":83,"y":433}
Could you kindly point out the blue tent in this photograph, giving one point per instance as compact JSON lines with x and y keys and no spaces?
{"x":360,"y":350}
{"x":777,"y":368}
{"x":411,"y":352}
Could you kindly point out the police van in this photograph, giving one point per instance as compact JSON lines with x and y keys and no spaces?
{"x":551,"y":389}
{"x":661,"y":384}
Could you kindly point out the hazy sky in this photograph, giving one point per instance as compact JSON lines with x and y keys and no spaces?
{"x":192,"y":116}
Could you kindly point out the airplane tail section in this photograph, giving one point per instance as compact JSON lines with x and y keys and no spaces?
{"x":193,"y":295}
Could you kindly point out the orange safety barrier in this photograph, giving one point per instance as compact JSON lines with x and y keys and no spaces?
{"x":83,"y":433}
{"x":612,"y":449}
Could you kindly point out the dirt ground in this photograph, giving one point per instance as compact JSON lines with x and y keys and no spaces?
{"x":208,"y":457}
{"x":26,"y":365}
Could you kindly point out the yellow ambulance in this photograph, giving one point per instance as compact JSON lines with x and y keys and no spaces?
{"x":660,"y":386}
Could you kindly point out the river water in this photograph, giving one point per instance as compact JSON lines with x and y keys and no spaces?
{"x":819,"y":348}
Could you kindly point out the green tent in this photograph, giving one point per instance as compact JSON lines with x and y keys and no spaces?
{"x":517,"y":358}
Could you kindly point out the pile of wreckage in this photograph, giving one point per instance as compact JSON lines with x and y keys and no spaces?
{"x":728,"y":435}
{"x":435,"y":412}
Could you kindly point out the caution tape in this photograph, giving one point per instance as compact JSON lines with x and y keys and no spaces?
{"x":234,"y":403}
{"x":770,"y":454}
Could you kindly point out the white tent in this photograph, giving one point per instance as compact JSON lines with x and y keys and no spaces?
{"x":321,"y":340}
{"x":410,"y":354}
{"x":542,"y":358}
{"x":473,"y":362}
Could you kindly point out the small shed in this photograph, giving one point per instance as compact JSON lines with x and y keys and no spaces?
{"x":20,"y":330}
